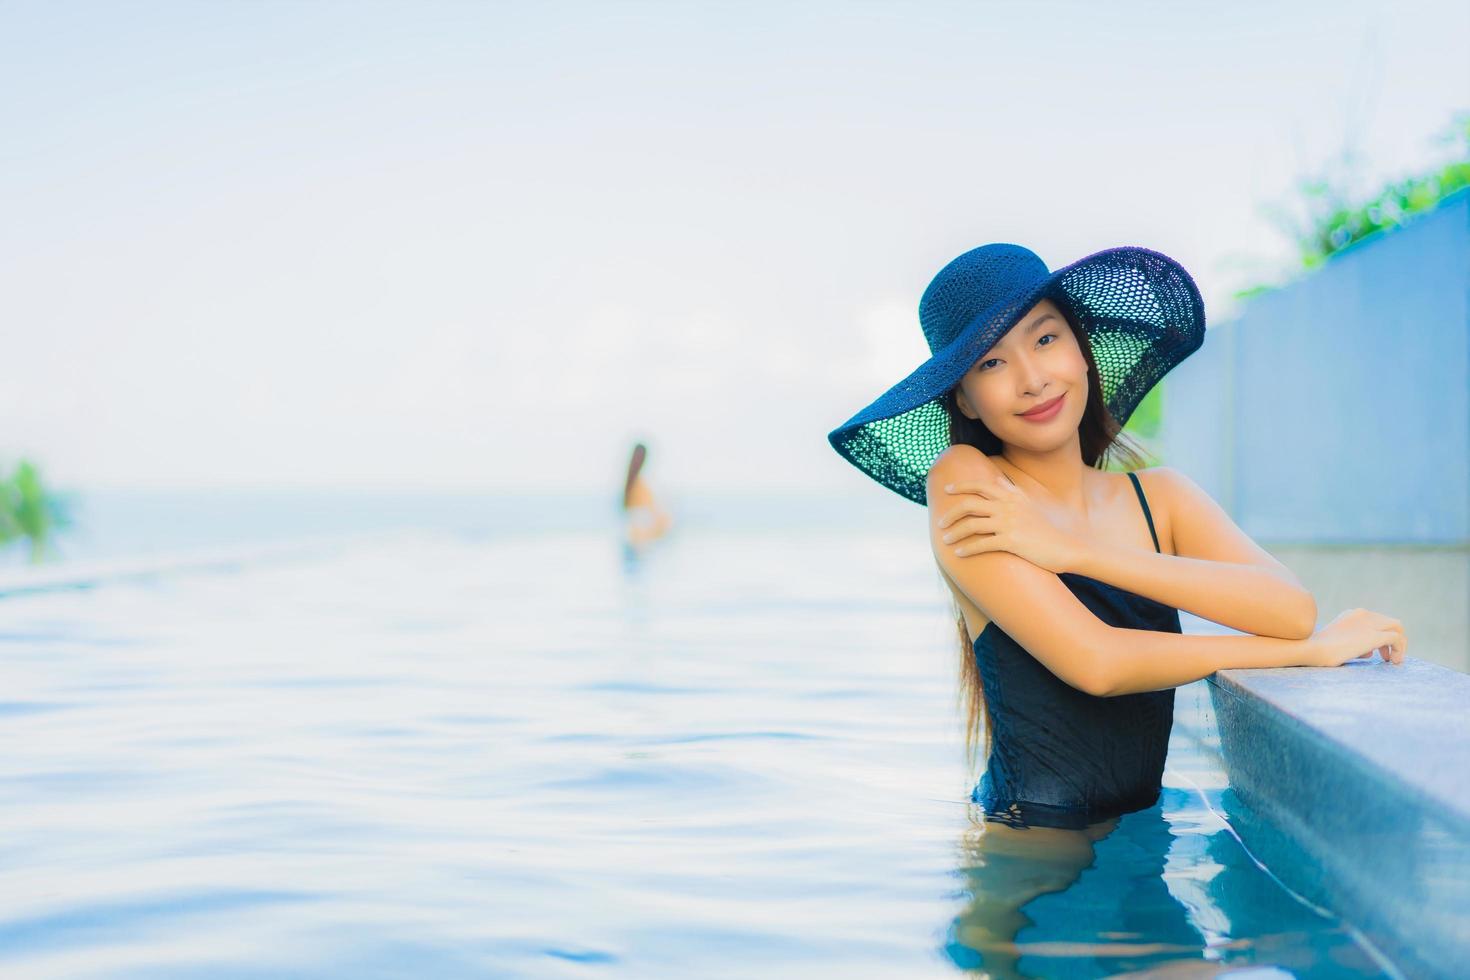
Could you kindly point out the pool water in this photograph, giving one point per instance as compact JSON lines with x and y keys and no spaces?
{"x":538,"y":756}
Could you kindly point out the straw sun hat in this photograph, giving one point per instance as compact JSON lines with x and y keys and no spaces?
{"x":1141,"y":311}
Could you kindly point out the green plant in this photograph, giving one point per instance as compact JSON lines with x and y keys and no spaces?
{"x":29,"y":511}
{"x":1145,"y":425}
{"x":1336,"y":222}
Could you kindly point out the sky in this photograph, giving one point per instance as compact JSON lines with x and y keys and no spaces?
{"x":487,"y":246}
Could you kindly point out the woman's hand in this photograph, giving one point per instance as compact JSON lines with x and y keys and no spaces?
{"x":993,"y":514}
{"x":1355,"y":634}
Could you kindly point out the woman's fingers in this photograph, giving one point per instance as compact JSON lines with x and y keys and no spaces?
{"x":990,"y":485}
{"x":979,"y":524}
{"x":976,"y":544}
{"x":981,"y":493}
{"x":977,"y":508}
{"x":1394,"y":651}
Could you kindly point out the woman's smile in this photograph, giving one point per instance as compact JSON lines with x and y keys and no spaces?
{"x":1046,"y":411}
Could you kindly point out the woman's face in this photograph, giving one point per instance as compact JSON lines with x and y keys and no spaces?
{"x":1036,"y":361}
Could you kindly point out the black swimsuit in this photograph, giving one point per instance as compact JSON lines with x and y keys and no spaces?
{"x":1061,"y":757}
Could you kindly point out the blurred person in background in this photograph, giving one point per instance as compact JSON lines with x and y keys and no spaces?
{"x":644,"y":518}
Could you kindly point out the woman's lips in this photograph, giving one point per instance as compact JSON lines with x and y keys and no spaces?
{"x":1046,"y":414}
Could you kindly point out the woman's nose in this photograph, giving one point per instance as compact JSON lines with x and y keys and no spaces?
{"x":1036,"y":381}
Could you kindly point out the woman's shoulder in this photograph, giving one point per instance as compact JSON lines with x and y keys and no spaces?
{"x":962,"y":457}
{"x":1164,"y":487}
{"x":1166,"y":482}
{"x":959,"y":462}
{"x":960,"y":452}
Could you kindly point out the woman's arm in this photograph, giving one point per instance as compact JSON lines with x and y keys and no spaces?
{"x":1149,"y":660}
{"x":1040,"y":613}
{"x":1219,"y":573}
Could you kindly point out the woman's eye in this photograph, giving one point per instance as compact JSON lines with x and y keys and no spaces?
{"x":981,"y":365}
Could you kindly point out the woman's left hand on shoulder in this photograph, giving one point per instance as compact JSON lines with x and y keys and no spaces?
{"x":994,"y":514}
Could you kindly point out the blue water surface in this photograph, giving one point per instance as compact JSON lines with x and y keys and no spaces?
{"x":441,"y":753}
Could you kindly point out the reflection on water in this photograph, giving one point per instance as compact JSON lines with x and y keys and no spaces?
{"x":441,"y":756}
{"x":1168,"y":889}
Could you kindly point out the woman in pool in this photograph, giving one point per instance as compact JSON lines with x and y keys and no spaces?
{"x":1067,"y":578}
{"x":644,"y":518}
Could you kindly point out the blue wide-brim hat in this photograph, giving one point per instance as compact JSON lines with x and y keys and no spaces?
{"x":1141,"y":311}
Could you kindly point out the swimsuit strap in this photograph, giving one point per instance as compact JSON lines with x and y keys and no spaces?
{"x":1150,"y":517}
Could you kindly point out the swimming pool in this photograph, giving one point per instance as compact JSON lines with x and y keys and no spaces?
{"x":431,"y":755}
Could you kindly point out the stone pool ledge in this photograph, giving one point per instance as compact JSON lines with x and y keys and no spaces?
{"x":1367,"y":767}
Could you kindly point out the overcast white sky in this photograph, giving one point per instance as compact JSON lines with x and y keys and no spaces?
{"x":452,"y":245}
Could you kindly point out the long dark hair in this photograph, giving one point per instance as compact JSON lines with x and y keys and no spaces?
{"x":635,"y":466}
{"x":1103,"y":444}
